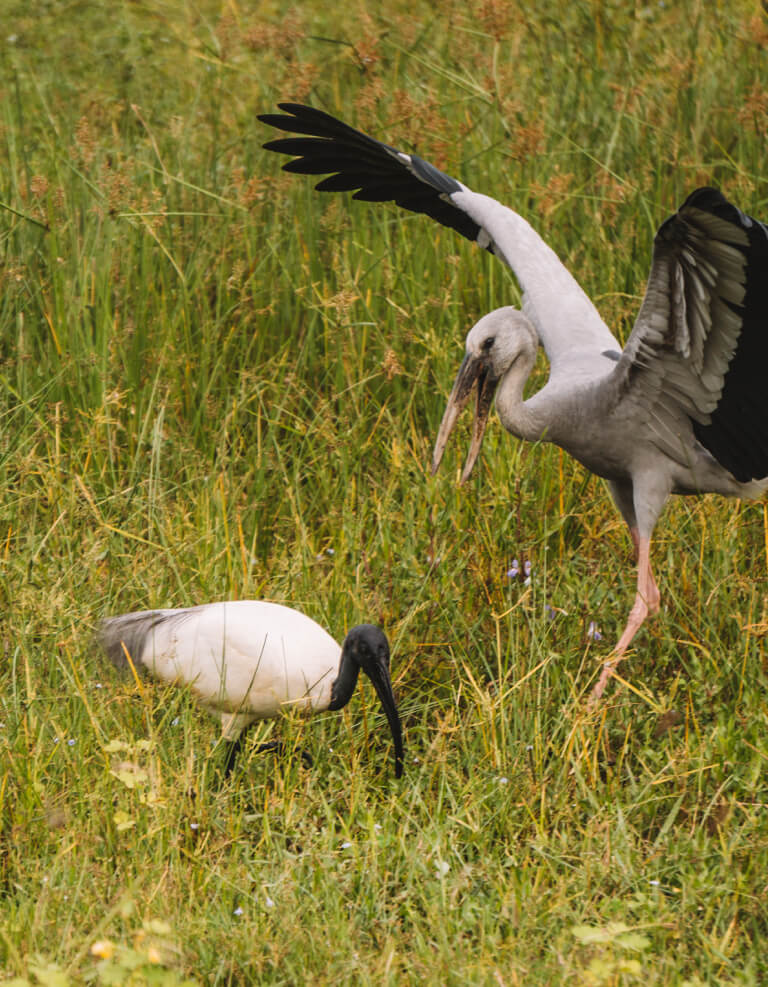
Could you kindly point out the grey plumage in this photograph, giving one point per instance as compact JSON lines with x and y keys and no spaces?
{"x":683,"y":408}
{"x":132,"y":633}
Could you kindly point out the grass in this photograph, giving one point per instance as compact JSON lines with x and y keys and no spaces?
{"x":216,"y":383}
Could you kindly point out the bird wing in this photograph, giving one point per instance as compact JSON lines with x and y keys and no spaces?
{"x":700,"y":341}
{"x":128,"y":635}
{"x":378,"y":172}
{"x":568,"y":323}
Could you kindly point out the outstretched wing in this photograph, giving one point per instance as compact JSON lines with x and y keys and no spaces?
{"x":380,"y":173}
{"x":701,"y":336}
{"x":569,"y":325}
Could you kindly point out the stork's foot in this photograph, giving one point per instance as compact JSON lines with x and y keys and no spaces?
{"x":648,"y":603}
{"x":609,"y":668}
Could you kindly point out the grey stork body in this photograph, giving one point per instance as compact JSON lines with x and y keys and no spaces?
{"x":682,"y":409}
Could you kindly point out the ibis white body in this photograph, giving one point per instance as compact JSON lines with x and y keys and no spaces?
{"x":249,"y":660}
{"x":244,"y":660}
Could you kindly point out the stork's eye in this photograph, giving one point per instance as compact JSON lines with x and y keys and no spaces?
{"x":488,"y":343}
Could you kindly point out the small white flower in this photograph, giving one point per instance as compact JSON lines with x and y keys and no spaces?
{"x":415,"y":760}
{"x":98,"y":685}
{"x":377,"y":826}
{"x":194,"y":825}
{"x":346,"y":845}
{"x":529,"y":747}
{"x":71,"y":742}
{"x":175,"y":721}
{"x":654,"y":882}
{"x":55,"y":740}
{"x":268,"y":902}
{"x":330,"y":551}
{"x":238,"y":911}
{"x":441,"y":868}
{"x":503,"y":780}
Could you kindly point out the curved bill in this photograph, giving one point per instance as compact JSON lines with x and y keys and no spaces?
{"x":471,"y":371}
{"x":379,"y":675}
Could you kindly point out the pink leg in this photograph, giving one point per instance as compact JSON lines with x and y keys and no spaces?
{"x":646,"y":602}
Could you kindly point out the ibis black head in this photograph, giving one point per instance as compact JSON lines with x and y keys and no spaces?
{"x":366,"y":647}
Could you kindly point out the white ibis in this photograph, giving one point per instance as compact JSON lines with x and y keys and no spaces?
{"x":250,"y":660}
{"x":682,"y":409}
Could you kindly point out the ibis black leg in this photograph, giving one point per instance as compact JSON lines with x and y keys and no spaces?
{"x":281,"y":751}
{"x":233,"y":749}
{"x":235,"y":746}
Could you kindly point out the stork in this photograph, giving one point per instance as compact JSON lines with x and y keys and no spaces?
{"x":681,"y":409}
{"x":249,"y":660}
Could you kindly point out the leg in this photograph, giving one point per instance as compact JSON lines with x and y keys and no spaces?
{"x":234,"y":747}
{"x":647,"y":601}
{"x":640,"y":502}
{"x":280,"y":750}
{"x":623,"y":499}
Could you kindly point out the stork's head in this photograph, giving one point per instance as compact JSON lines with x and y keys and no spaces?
{"x":494,"y":344}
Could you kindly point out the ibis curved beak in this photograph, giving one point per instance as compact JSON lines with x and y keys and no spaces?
{"x":379,"y":676}
{"x":473,"y":370}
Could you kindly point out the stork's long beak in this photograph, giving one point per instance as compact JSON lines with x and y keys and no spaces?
{"x":472,"y":370}
{"x":379,"y":675}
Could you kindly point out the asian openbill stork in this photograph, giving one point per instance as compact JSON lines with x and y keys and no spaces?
{"x":683,"y":408}
{"x":249,"y":660}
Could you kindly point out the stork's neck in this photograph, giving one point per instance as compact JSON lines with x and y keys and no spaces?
{"x":344,"y":684}
{"x":564,"y":315}
{"x":514,"y":412}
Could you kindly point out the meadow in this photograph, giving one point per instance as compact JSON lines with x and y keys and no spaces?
{"x":216,"y":383}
